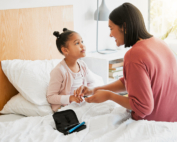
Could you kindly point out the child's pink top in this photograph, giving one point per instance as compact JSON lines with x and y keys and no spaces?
{"x":150,"y":77}
{"x":63,"y":82}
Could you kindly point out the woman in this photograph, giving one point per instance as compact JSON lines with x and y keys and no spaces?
{"x":149,"y":70}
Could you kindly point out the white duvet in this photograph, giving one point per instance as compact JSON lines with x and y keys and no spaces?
{"x":106,"y":122}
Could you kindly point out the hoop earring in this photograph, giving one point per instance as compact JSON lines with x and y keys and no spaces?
{"x":125,"y":32}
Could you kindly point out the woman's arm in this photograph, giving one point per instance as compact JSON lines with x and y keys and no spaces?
{"x":116,"y":87}
{"x":139,"y":89}
{"x":121,"y":100}
{"x":104,"y":95}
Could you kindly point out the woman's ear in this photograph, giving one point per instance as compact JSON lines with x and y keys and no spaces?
{"x":64,"y":50}
{"x":123,"y":28}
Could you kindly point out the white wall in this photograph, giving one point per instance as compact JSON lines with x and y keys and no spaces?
{"x":83,"y":17}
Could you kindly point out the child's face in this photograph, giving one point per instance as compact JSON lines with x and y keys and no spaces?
{"x":76,"y":48}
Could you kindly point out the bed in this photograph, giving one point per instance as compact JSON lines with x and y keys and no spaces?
{"x":26,"y":41}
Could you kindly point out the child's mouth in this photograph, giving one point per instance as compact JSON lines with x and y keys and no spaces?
{"x":83,"y":51}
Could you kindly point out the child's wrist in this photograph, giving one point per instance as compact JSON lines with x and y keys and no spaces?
{"x":70,"y":99}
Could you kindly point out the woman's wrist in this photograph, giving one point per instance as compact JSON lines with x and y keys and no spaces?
{"x":94,"y":90}
{"x":111,"y":96}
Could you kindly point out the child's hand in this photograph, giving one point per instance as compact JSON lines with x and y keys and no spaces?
{"x":83,"y":91}
{"x":74,"y":99}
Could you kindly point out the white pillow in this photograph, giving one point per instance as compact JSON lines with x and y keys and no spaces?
{"x":98,"y":79}
{"x":30,"y":78}
{"x":19,"y":105}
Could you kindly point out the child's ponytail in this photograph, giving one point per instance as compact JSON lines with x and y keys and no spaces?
{"x":57,"y":34}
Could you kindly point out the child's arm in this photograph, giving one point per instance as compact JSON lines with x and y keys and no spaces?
{"x":53,"y":96}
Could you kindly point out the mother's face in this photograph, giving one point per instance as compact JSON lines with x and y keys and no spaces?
{"x":117,"y":33}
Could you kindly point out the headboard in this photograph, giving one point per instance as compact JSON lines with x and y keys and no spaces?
{"x":28,"y":34}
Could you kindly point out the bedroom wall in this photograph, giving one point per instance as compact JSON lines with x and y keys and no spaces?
{"x":83,"y":17}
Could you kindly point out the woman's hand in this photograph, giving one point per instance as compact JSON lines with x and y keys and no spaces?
{"x":99,"y":96}
{"x":74,"y":99}
{"x":83,"y":91}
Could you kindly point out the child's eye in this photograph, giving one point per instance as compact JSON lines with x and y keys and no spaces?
{"x":82,"y":41}
{"x":77,"y":43}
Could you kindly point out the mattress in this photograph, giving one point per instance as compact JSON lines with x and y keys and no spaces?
{"x":106,"y":122}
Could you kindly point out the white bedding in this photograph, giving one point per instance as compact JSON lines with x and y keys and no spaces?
{"x":10,"y":117}
{"x":106,"y":122}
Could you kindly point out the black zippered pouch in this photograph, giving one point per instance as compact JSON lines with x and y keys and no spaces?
{"x":66,"y":120}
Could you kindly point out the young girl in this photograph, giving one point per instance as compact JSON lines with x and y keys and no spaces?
{"x":70,"y":73}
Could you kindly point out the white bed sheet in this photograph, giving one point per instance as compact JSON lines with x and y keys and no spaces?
{"x":106,"y":122}
{"x":10,"y":117}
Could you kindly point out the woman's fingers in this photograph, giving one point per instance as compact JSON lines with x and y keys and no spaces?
{"x":85,"y":90}
{"x":89,"y":99}
{"x":77,"y":91}
{"x":80,"y":98}
{"x":80,"y":90}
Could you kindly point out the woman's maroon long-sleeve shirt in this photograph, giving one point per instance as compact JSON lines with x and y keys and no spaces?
{"x":150,"y":77}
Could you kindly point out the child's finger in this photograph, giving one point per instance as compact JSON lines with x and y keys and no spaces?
{"x":77,"y":100}
{"x":80,"y":100}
